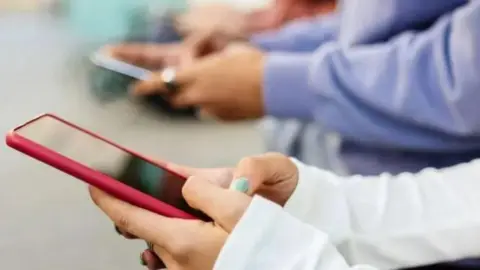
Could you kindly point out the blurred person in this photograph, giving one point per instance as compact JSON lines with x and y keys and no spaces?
{"x":173,"y":24}
{"x":206,"y":32}
{"x":302,"y":217}
{"x":425,"y":111}
{"x":410,"y":92}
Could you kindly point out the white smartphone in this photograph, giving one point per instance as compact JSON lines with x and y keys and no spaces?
{"x":110,"y":63}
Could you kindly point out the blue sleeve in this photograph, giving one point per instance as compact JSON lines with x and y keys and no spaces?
{"x":418,"y":90}
{"x":301,"y":35}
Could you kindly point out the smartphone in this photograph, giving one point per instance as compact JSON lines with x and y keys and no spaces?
{"x":107,"y":62}
{"x":106,"y":165}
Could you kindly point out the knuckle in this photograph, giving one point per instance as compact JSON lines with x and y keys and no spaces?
{"x":189,"y":186}
{"x":249,"y":163}
{"x":123,"y":222}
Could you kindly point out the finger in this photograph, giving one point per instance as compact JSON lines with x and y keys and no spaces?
{"x":189,"y":97}
{"x":151,"y":260}
{"x":136,"y":221}
{"x":167,"y":259}
{"x":262,"y":170}
{"x":182,"y":169}
{"x":156,"y":83}
{"x":145,"y":55}
{"x":196,"y":46}
{"x":224,"y":206}
{"x":221,"y":177}
{"x":124,"y":233}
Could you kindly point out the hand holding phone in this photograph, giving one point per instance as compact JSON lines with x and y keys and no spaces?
{"x":108,"y":166}
{"x":127,"y":73}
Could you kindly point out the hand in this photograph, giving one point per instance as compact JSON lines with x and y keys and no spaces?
{"x":181,"y":244}
{"x":226,"y":85}
{"x":211,"y":19}
{"x":272,"y":176}
{"x":221,"y":177}
{"x":157,"y":56}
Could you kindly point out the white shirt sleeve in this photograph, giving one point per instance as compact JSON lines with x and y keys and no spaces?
{"x":267,"y":237}
{"x":394,"y":221}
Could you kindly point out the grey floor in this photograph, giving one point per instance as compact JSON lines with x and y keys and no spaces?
{"x":46,"y":218}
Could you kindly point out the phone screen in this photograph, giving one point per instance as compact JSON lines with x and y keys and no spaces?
{"x":121,"y":67}
{"x":102,"y":156}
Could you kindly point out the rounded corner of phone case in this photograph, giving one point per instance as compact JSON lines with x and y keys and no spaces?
{"x":10,"y":137}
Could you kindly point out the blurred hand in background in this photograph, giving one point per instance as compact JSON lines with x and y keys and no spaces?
{"x":226,"y":85}
{"x":233,"y":24}
{"x":156,"y":56}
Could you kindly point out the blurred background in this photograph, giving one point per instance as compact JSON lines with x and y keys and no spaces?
{"x":47,"y":220}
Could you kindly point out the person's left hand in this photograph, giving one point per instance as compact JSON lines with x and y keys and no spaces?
{"x":221,"y":177}
{"x":226,"y":85}
{"x":181,"y":244}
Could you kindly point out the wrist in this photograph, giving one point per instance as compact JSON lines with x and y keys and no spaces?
{"x":319,"y":199}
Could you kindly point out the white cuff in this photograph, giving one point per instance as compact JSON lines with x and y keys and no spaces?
{"x":319,"y":200}
{"x":300,"y":201}
{"x":266,"y":238}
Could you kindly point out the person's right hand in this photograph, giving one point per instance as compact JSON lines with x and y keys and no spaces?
{"x":271,"y":175}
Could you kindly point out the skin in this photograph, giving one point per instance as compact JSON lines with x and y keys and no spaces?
{"x":181,"y":244}
{"x":211,"y":18}
{"x":194,"y":244}
{"x":216,"y":73}
{"x":225,"y":85}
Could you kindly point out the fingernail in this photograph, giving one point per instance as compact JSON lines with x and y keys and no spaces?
{"x":142,"y":260}
{"x":240,"y":184}
{"x":118,"y":230}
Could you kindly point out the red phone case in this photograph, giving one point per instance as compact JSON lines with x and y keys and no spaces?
{"x":93,"y":177}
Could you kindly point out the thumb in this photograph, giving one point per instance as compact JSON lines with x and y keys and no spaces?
{"x":139,"y":54}
{"x":183,"y":170}
{"x":262,"y":170}
{"x":194,"y":47}
{"x":156,"y":82}
{"x":224,"y":206}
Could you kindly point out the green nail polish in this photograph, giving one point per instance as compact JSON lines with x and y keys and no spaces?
{"x":240,"y":184}
{"x":142,"y":261}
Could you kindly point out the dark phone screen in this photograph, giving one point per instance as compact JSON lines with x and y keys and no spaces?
{"x":109,"y":159}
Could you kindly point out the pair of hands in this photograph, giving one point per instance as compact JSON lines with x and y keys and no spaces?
{"x":222,"y":83}
{"x":194,"y":244}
